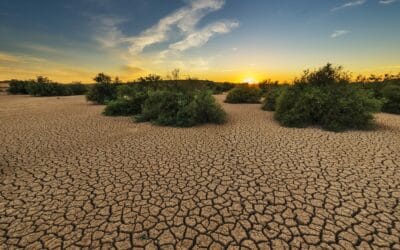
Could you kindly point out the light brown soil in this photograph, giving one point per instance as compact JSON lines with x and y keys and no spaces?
{"x":3,"y":87}
{"x":71,"y":177}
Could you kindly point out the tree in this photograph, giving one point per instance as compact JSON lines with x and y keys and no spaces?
{"x":150,"y":78}
{"x":175,"y":74}
{"x":102,"y":78}
{"x":42,"y":79}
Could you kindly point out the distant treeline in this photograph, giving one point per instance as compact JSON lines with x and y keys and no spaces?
{"x":43,"y":86}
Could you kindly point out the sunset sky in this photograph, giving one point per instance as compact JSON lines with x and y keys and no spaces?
{"x":222,"y":40}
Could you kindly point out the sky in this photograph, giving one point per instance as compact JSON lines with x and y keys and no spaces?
{"x":221,"y":40}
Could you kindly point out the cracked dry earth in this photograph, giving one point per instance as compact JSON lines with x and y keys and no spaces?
{"x":72,"y":178}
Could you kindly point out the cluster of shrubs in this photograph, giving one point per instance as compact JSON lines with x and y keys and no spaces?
{"x":271,"y":96}
{"x":325,"y":98}
{"x":182,"y":109}
{"x":128,"y":102}
{"x":391,"y":95}
{"x":42,"y":86}
{"x":244,"y":94}
{"x":386,"y":88}
{"x":167,"y":103}
{"x":105,"y":90}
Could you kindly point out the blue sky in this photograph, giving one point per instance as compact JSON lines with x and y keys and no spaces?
{"x":231,"y":40}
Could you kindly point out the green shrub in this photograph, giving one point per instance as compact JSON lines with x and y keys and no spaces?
{"x":349,"y":108}
{"x":129,"y":102}
{"x":103,"y":91}
{"x":17,"y":87}
{"x":270,"y":98}
{"x":391,"y":93}
{"x":219,"y":88}
{"x":268,"y":85}
{"x":300,"y":106}
{"x":77,"y":88}
{"x":162,"y":107}
{"x":44,"y":87}
{"x":243,"y":94}
{"x":326,"y":99}
{"x":201,"y":109}
{"x":182,"y":109}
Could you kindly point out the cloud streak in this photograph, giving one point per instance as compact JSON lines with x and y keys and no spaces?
{"x":387,"y":2}
{"x":199,"y":38}
{"x":339,"y":33}
{"x":349,"y":5}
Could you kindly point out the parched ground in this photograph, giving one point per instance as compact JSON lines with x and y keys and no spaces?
{"x":72,"y":178}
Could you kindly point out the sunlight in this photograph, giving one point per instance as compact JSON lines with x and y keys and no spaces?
{"x":250,"y":80}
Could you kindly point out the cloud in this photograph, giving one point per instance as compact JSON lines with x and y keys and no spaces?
{"x":41,"y":48}
{"x":184,"y":20}
{"x":350,"y":4}
{"x":387,"y":2}
{"x":339,"y":33}
{"x":108,"y":34}
{"x":131,"y":69}
{"x":199,"y":38}
{"x":18,"y":58}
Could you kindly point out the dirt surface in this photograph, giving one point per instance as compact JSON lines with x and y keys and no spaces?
{"x":3,"y":87}
{"x":71,"y":177}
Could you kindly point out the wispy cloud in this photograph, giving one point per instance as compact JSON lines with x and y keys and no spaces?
{"x":18,"y":58}
{"x":199,"y":38}
{"x":339,"y":33}
{"x":185,"y":20}
{"x":387,"y":2}
{"x":350,"y":4}
{"x":108,"y":33}
{"x":131,"y":69}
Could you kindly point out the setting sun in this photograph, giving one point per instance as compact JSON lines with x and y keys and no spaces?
{"x":249,"y":80}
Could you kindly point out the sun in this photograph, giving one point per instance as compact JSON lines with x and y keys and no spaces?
{"x":250,"y":80}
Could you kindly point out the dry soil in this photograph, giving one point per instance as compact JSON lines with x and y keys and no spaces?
{"x":72,"y":178}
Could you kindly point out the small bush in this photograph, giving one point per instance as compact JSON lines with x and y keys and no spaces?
{"x":349,"y":108}
{"x":42,"y":86}
{"x":270,"y":98}
{"x":391,"y":93}
{"x":182,"y":109}
{"x":300,"y":106}
{"x":219,"y":88}
{"x":326,"y":98}
{"x":268,"y":85}
{"x":48,"y":89}
{"x":201,"y":109}
{"x":17,"y":87}
{"x":77,"y":88}
{"x":129,"y":102}
{"x":243,"y":94}
{"x":103,"y":91}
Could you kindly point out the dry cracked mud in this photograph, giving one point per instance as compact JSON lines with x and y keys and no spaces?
{"x":72,"y":178}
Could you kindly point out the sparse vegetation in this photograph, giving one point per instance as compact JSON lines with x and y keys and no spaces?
{"x":271,"y":96}
{"x":129,"y":102}
{"x":103,"y":91}
{"x":43,"y":86}
{"x":78,"y":88}
{"x":17,"y":87}
{"x":391,"y":93}
{"x":244,"y":94}
{"x":182,"y":109}
{"x":325,"y":97}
